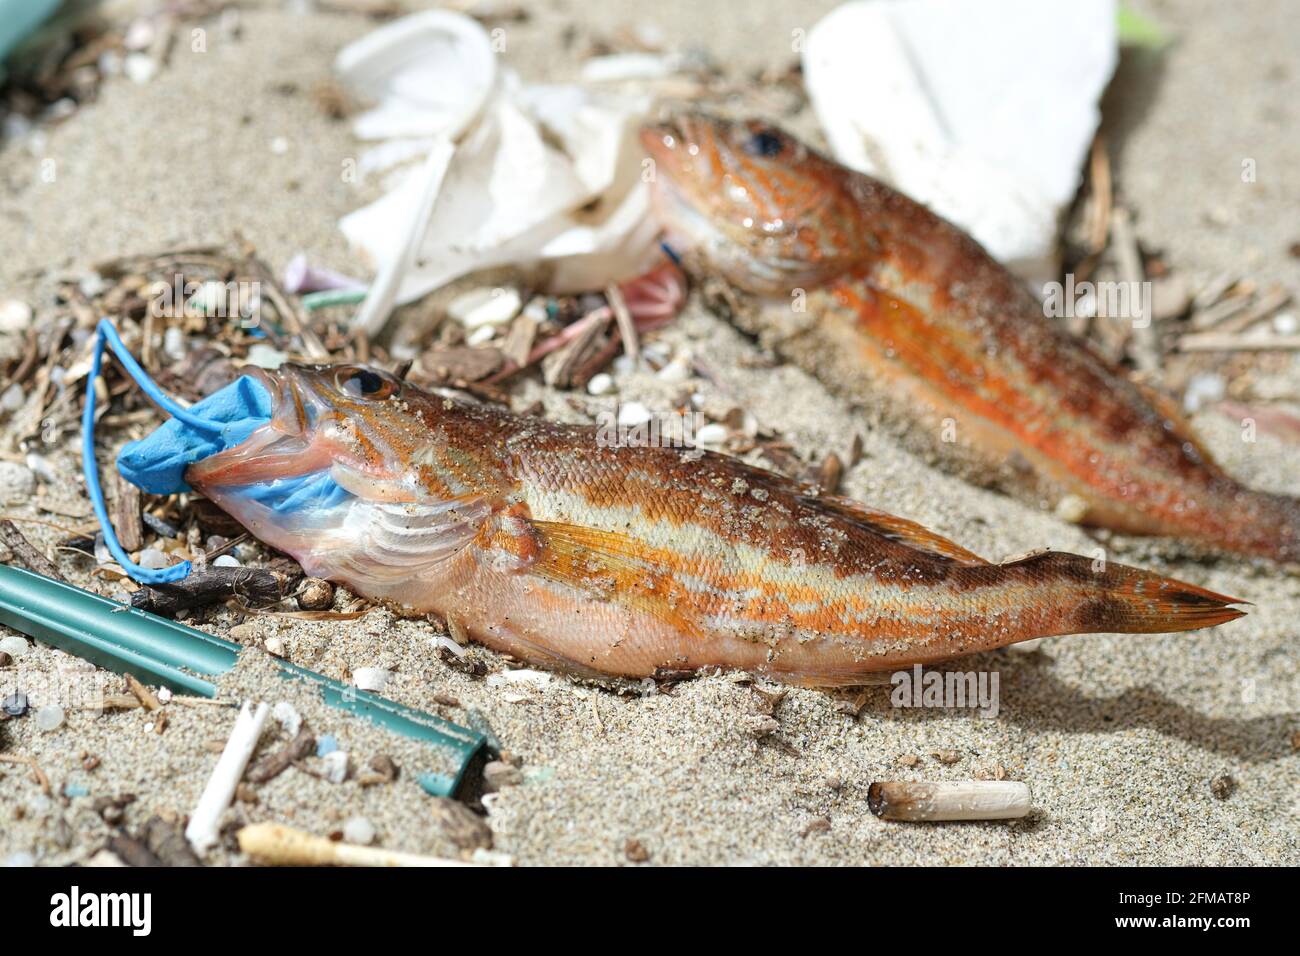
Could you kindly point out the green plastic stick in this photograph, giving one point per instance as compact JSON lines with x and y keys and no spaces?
{"x":168,"y":654}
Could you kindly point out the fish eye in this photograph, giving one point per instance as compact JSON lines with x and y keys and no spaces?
{"x":360,"y":382}
{"x":764,"y":142}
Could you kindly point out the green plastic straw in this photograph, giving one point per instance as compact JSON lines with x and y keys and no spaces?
{"x":319,"y":300}
{"x":159,"y":651}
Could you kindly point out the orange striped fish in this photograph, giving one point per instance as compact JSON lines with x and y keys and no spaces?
{"x":906,"y":315}
{"x":546,"y":544}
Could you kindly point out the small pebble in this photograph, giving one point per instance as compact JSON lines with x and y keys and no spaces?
{"x":498,"y":774}
{"x":316,"y":595}
{"x":49,"y":717}
{"x":1071,"y":508}
{"x":15,"y":705}
{"x":174,"y":343}
{"x":242,"y":633}
{"x":326,"y":744}
{"x":5,"y":659}
{"x":480,"y":307}
{"x":41,"y":468}
{"x":274,"y":647}
{"x":635,"y":851}
{"x":280,"y":145}
{"x":711,"y":434}
{"x":153,"y":559}
{"x":15,"y":646}
{"x":139,"y":67}
{"x":946,"y":756}
{"x":287,"y":716}
{"x":15,"y":316}
{"x":480,"y":336}
{"x":11,"y":399}
{"x":16,"y":483}
{"x":226,"y":561}
{"x":20,"y":859}
{"x":1223,"y":786}
{"x":359,"y":830}
{"x":678,"y":370}
{"x":632,"y":414}
{"x":1286,"y":323}
{"x":76,"y":790}
{"x":336,"y":766}
{"x":601,"y":384}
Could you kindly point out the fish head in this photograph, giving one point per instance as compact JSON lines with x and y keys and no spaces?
{"x":751,"y":202}
{"x":322,"y":416}
{"x":338,"y":436}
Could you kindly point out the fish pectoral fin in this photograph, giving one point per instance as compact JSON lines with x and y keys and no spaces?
{"x":897,"y":529}
{"x":400,"y":539}
{"x":613,"y":567}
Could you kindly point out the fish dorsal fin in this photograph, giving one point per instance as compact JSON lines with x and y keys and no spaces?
{"x":896,"y":529}
{"x":613,"y":567}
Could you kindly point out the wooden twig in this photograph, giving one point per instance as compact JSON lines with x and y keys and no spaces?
{"x":146,"y":697}
{"x":126,"y":513}
{"x":257,"y":585}
{"x":272,"y":765}
{"x":37,"y":772}
{"x":1265,"y":306}
{"x":1237,"y":342}
{"x":1129,"y":261}
{"x":25,"y":554}
{"x":626,"y":325}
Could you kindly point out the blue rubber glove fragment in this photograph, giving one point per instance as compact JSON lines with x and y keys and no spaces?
{"x":157,"y":462}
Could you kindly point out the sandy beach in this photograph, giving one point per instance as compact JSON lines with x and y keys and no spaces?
{"x":1126,"y":741}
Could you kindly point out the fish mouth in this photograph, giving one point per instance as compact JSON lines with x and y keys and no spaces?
{"x":287,"y":446}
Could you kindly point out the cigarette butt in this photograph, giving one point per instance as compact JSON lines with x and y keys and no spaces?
{"x":954,"y":800}
{"x":279,"y":845}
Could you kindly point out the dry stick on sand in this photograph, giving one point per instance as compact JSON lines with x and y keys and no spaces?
{"x":1145,"y":348}
{"x":278,"y":845}
{"x":37,"y":772}
{"x":24,"y":554}
{"x":1237,"y":342}
{"x":949,"y":800}
{"x":252,"y":585}
{"x":126,"y":513}
{"x":626,"y":325}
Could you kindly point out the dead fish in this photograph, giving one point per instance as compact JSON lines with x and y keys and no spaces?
{"x":548,"y":543}
{"x":905,"y":314}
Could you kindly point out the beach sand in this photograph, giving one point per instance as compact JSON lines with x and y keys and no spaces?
{"x":1118,"y":736}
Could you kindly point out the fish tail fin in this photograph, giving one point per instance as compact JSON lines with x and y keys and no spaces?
{"x":1114,"y":598}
